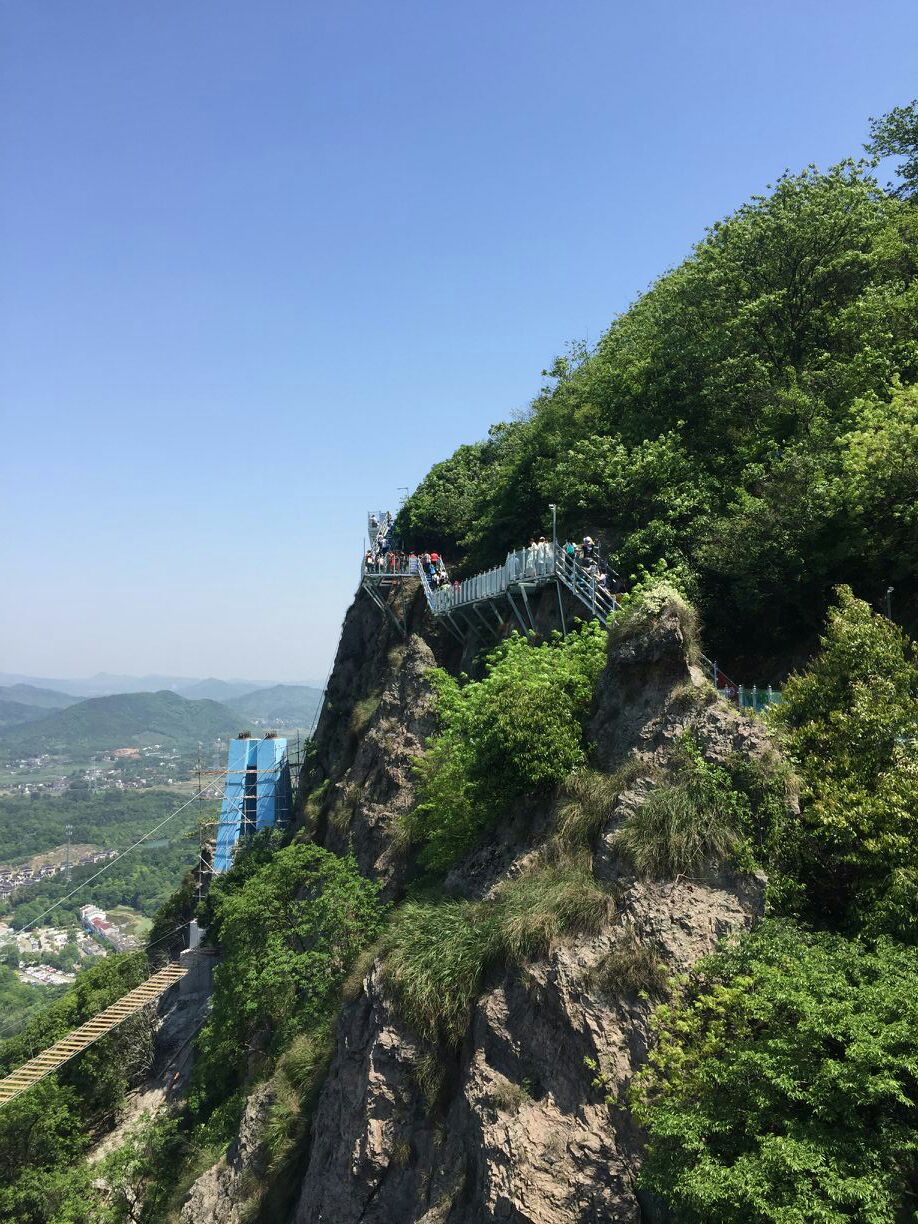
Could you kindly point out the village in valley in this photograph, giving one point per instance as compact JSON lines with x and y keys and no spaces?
{"x":53,"y":955}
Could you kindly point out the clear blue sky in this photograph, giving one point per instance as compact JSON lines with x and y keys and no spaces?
{"x":263,"y":263}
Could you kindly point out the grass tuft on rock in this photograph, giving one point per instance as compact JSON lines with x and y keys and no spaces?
{"x":697,"y":818}
{"x":587,"y":801}
{"x":630,"y":967}
{"x":440,"y":953}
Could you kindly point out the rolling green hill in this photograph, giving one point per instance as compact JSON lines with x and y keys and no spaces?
{"x":14,"y":713}
{"x":39,"y":698}
{"x":286,"y":705}
{"x":123,"y":720}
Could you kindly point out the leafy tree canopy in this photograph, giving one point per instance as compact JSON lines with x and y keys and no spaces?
{"x":289,"y":930}
{"x":517,"y":730}
{"x":744,"y":421}
{"x":782,"y":1086}
{"x":896,"y":135}
{"x":850,"y":723}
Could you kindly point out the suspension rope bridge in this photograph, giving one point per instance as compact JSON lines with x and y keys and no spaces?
{"x":149,"y":991}
{"x":79,"y":1039}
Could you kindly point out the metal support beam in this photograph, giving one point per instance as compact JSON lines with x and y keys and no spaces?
{"x":526,"y":603}
{"x":473,"y":628}
{"x":481,"y":616}
{"x":561,"y":608}
{"x":458,"y":632}
{"x":516,"y":612}
{"x":385,"y":609}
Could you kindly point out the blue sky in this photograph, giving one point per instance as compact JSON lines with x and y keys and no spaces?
{"x":264,"y":263}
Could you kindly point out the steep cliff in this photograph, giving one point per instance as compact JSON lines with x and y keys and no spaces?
{"x":520,"y":1131}
{"x":524,"y":1120}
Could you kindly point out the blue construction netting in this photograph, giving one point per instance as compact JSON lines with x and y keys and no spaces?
{"x":256,"y":794}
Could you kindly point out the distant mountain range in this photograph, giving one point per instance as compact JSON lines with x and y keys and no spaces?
{"x":104,"y":684}
{"x":40,"y":698}
{"x":121,"y":721}
{"x":286,"y":705}
{"x":20,"y":703}
{"x":124,"y":720}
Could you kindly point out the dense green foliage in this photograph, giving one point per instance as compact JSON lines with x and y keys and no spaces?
{"x":741,"y":421}
{"x":784,"y":1085}
{"x":516,"y":731}
{"x":289,"y":925}
{"x":108,"y":819}
{"x":850,"y":724}
{"x":784,"y":1082}
{"x":120,"y":721}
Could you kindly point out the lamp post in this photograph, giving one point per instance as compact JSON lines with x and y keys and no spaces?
{"x":889,"y":591}
{"x":554,"y":528}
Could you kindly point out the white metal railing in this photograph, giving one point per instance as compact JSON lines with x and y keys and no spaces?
{"x":584,"y":583}
{"x":381,"y":569}
{"x":532,"y":566}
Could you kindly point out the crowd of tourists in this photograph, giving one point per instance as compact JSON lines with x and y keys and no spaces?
{"x":592,"y":565}
{"x":538,"y":560}
{"x":386,"y":560}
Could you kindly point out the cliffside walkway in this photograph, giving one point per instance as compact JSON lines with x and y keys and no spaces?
{"x":79,"y":1039}
{"x":466,"y":605}
{"x":480,"y":603}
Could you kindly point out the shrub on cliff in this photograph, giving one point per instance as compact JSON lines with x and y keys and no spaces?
{"x":288,"y":934}
{"x":783,"y":1084}
{"x":850,"y":723}
{"x":518,"y":730}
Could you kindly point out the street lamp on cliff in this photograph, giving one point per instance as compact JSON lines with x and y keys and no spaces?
{"x":554,"y":528}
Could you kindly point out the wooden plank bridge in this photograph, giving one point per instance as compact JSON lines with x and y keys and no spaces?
{"x":74,"y":1043}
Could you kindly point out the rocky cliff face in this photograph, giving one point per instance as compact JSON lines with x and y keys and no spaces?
{"x":516,"y":1124}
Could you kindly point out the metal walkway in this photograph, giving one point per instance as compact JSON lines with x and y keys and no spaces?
{"x":477,"y":603}
{"x":465,"y":605}
{"x":74,"y":1043}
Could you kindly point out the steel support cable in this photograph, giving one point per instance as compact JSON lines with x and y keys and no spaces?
{"x":11,"y":1030}
{"x":112,"y":861}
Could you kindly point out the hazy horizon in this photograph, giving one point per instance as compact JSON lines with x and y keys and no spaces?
{"x":265,"y":264}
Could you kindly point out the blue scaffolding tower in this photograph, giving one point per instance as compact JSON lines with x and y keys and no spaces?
{"x":256,"y":796}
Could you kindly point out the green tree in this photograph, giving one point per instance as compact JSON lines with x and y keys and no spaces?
{"x":517,"y":730}
{"x":782,"y":1085}
{"x":716,"y":424}
{"x":850,"y":724}
{"x":896,"y":135}
{"x":288,"y":934}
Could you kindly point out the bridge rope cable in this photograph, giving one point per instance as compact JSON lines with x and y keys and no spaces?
{"x":11,"y":1030}
{"x":117,"y":858}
